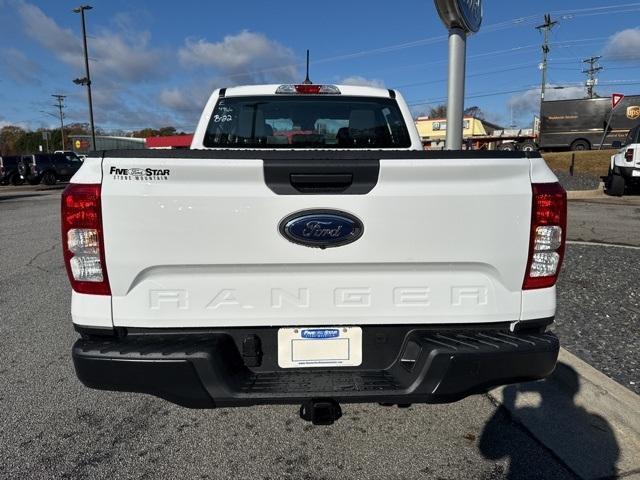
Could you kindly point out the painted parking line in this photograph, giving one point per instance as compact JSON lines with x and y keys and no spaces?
{"x":601,"y":244}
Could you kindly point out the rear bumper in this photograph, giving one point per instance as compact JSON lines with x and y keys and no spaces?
{"x":400,"y":365}
{"x":628,"y":173}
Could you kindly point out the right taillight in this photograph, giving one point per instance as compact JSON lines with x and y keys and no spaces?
{"x":82,"y":239}
{"x":548,"y":235}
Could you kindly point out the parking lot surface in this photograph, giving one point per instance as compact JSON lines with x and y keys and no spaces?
{"x":53,"y":427}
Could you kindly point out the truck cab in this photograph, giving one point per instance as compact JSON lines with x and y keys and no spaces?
{"x":624,"y":168}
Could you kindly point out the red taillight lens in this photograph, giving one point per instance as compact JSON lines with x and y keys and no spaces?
{"x":628,"y":155}
{"x":82,"y":239}
{"x":548,"y":235}
{"x":308,"y":89}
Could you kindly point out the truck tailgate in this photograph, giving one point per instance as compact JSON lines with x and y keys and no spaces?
{"x":197,"y":244}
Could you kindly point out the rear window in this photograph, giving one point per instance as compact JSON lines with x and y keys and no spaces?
{"x":299,"y":121}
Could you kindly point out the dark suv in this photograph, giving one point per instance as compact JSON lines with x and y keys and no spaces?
{"x":48,"y":168}
{"x":9,"y":170}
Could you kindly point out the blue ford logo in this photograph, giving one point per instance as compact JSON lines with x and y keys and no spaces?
{"x":320,"y":333}
{"x":321,"y":228}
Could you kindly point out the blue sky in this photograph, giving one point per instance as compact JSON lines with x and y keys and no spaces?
{"x":155,"y":62}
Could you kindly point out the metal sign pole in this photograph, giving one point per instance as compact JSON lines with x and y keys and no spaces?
{"x":616,"y":98}
{"x":455,"y":89}
{"x":461,"y":17}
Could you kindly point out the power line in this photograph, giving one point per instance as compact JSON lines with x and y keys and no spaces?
{"x":592,"y":74}
{"x":515,"y":22}
{"x":434,"y":101}
{"x":545,"y":28}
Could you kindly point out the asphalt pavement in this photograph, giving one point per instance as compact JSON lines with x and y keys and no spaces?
{"x":53,"y":427}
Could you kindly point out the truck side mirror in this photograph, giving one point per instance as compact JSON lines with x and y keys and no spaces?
{"x":616,"y":144}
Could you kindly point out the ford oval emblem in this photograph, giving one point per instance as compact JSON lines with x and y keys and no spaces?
{"x":321,"y":228}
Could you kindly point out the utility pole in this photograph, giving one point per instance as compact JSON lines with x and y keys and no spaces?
{"x":60,"y":106}
{"x":87,"y":79}
{"x":592,"y":74}
{"x":545,"y":28}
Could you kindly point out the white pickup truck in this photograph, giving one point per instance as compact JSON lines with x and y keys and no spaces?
{"x":307,"y":251}
{"x":624,"y":167}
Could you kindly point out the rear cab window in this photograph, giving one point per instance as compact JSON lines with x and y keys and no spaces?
{"x":298,"y":121}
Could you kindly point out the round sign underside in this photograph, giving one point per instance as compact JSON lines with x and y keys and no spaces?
{"x":465,"y":14}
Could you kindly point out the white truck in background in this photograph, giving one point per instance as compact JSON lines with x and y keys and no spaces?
{"x":308,"y":251}
{"x":624,"y":168}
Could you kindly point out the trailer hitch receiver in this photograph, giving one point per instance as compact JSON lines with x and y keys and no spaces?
{"x":320,"y":411}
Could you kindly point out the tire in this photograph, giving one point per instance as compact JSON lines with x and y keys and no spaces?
{"x":580,"y":146}
{"x":49,"y":178}
{"x":507,"y":147}
{"x":16,"y":180}
{"x":528,"y":146}
{"x":615,"y":185}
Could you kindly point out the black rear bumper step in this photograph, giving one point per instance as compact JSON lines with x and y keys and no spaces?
{"x":205,"y":370}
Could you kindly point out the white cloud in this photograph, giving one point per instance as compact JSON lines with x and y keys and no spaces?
{"x":121,"y":59}
{"x":247,"y":57}
{"x":180,"y":101}
{"x":624,"y":45}
{"x":118,"y":55}
{"x":362,"y":81}
{"x":528,"y":103}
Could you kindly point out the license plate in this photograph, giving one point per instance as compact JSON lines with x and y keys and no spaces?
{"x":635,"y":173}
{"x":319,"y":347}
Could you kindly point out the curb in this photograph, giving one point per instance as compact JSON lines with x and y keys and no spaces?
{"x":580,"y":194}
{"x":586,"y":419}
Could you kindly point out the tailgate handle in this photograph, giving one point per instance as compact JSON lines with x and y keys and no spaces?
{"x":321,"y":182}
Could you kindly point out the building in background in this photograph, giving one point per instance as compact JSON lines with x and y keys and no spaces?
{"x":433,"y":131}
{"x":169,"y":142}
{"x":82,"y":143}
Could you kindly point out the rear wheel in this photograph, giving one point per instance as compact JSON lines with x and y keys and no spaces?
{"x":580,"y":145}
{"x":528,"y":146}
{"x":16,"y":180}
{"x":49,"y":178}
{"x":507,"y":147}
{"x":615,"y":185}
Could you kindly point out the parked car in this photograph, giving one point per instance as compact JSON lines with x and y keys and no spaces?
{"x":624,"y":169}
{"x":48,"y":168}
{"x":9,"y":170}
{"x":330,"y":259}
{"x":70,"y":154}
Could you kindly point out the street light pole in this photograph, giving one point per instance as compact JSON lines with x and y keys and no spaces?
{"x":87,"y":80}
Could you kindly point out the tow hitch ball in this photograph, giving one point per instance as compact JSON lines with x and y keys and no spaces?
{"x":320,"y":411}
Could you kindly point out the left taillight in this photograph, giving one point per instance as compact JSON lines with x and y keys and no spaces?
{"x":628,"y":155}
{"x":83,"y":240}
{"x":548,"y":235}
